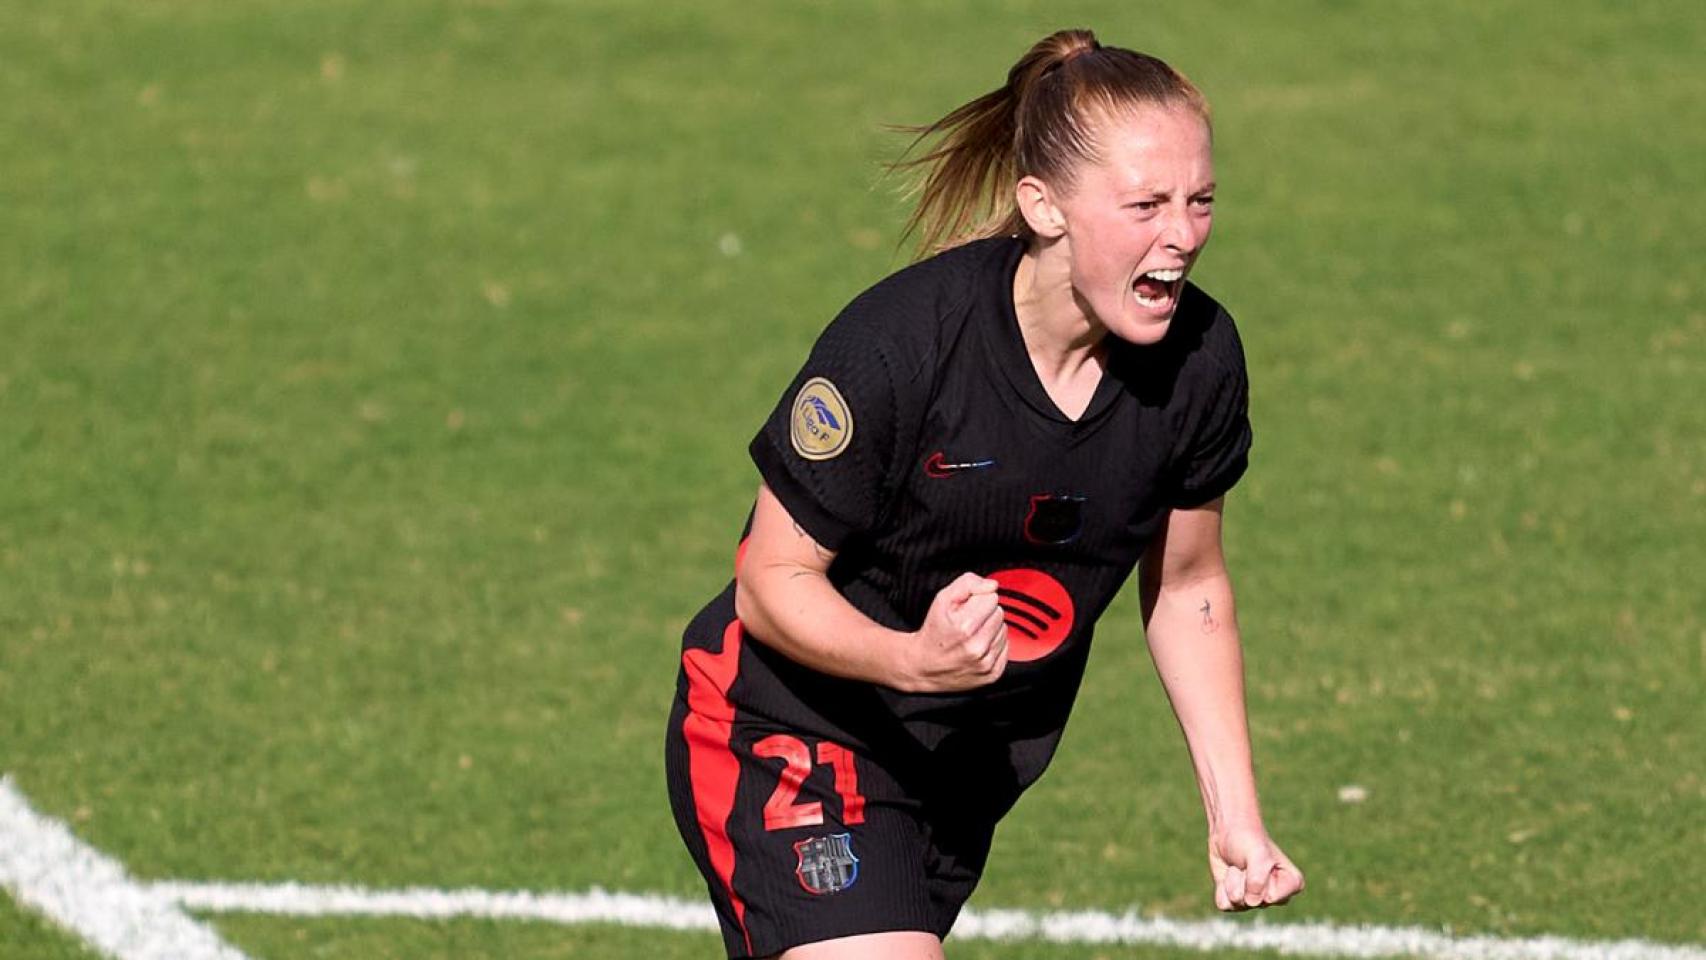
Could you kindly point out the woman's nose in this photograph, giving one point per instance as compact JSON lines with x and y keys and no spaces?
{"x":1177,"y":234}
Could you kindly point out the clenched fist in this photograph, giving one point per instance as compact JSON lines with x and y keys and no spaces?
{"x":963,"y":642}
{"x":1249,"y":870}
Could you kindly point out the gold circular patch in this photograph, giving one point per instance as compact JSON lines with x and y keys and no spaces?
{"x":822,"y":424}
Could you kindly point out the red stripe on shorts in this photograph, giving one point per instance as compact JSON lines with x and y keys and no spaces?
{"x":712,"y":767}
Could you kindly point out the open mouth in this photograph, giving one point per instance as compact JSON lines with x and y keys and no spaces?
{"x":1158,"y":289}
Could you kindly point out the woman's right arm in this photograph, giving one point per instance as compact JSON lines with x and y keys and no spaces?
{"x":783,"y":598}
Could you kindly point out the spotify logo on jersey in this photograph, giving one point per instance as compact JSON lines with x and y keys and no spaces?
{"x":1037,"y":610}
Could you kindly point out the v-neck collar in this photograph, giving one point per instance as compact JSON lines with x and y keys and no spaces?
{"x":1007,"y":347}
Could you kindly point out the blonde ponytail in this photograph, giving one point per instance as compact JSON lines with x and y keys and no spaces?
{"x":1041,"y":123}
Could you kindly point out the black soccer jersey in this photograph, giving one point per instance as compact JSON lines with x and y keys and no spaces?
{"x":919,"y":443}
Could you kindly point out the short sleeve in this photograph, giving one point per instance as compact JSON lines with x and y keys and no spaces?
{"x":828,"y":448}
{"x":1218,"y":435}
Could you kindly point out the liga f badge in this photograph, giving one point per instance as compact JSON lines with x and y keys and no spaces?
{"x":827,"y":864}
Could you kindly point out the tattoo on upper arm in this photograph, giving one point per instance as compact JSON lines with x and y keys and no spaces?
{"x":1209,"y":624}
{"x":818,"y":548}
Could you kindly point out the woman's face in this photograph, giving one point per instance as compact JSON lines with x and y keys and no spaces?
{"x":1136,"y":219}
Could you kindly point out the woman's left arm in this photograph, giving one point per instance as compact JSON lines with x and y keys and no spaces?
{"x":1192,"y":630}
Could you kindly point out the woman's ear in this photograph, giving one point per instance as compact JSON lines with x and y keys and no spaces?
{"x":1036,"y":205}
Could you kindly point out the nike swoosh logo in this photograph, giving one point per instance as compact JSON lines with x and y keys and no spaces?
{"x":938,"y":465}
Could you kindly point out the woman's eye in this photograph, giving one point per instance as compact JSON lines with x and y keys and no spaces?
{"x":1204,"y":201}
{"x":1144,"y":205}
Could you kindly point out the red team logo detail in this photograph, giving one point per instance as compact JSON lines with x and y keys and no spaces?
{"x":939,"y":467}
{"x":1037,"y":610}
{"x":1054,"y":520}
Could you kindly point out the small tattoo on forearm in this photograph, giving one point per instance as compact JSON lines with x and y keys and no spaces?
{"x":1209,"y":624}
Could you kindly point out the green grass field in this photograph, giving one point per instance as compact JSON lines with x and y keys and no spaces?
{"x":375,"y":380}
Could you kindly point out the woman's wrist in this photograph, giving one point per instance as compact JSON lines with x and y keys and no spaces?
{"x":895,"y":663}
{"x":1229,"y":806}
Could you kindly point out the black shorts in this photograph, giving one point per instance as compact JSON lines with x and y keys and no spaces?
{"x":801,"y":839}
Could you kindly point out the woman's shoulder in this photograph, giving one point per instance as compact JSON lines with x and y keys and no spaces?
{"x":918,"y":298}
{"x":917,"y":312}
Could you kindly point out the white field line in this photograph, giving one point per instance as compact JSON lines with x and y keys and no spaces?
{"x":426,"y":903}
{"x":47,"y":869}
{"x":60,"y":865}
{"x":652,"y":911}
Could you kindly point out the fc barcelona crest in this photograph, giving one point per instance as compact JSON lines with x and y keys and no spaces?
{"x":1054,"y":520}
{"x":827,"y":864}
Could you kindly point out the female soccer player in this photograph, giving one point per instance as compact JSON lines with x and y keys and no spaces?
{"x":978,"y":451}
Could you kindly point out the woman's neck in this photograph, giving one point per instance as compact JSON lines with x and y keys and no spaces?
{"x":1061,"y":334}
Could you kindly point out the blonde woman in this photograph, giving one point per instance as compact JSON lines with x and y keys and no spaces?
{"x":975,"y":456}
